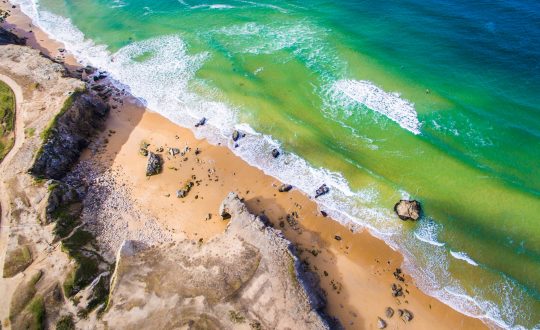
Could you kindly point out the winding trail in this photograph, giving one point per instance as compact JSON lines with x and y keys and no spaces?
{"x":6,"y":286}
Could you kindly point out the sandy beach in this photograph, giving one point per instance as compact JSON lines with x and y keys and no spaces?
{"x":355,"y":268}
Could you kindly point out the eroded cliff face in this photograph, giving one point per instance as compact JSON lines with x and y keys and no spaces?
{"x":59,"y":257}
{"x":247,"y":278}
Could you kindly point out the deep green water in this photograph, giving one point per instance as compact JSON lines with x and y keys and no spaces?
{"x":319,"y":79}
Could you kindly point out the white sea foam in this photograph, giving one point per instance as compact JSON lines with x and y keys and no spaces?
{"x":463,"y":256}
{"x":388,"y":104}
{"x":172,"y":69}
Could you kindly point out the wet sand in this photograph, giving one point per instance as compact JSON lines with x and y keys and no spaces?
{"x":355,"y":271}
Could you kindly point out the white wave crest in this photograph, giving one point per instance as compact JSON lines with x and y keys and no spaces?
{"x":388,"y":104}
{"x":463,"y":256}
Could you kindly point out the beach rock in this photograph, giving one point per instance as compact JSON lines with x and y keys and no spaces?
{"x":397,"y":290}
{"x":181,"y":193}
{"x":275,"y":153}
{"x":68,"y":135}
{"x":405,"y":315}
{"x":154,"y":164}
{"x":322,"y":190}
{"x":285,"y":188}
{"x":201,"y":122}
{"x":389,"y":312}
{"x":381,"y":324}
{"x":236,"y":135}
{"x":408,"y":210}
{"x":324,"y":214}
{"x":89,"y":69}
{"x":143,"y":152}
{"x":174,"y":151}
{"x":337,"y":238}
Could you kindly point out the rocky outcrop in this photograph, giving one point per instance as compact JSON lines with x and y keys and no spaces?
{"x":408,"y":210}
{"x":8,"y":38}
{"x":68,"y":134}
{"x":154,"y":164}
{"x":248,"y":277}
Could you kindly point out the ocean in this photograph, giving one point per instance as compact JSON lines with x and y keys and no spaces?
{"x":381,"y":100}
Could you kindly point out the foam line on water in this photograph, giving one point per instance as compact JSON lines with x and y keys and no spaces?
{"x":463,"y":256}
{"x":172,"y":68}
{"x":388,"y":104}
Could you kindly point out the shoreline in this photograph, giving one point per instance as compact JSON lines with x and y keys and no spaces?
{"x":358,"y":264}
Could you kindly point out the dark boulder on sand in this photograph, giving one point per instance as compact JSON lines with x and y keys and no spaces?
{"x":408,"y":210}
{"x":285,"y":188}
{"x":154,"y":164}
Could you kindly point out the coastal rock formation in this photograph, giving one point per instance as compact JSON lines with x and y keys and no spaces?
{"x":8,"y":38}
{"x":68,"y":134}
{"x":247,"y":277}
{"x":408,"y":210}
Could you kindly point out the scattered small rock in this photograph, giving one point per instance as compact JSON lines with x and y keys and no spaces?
{"x":174,"y":151}
{"x":405,"y":315}
{"x":275,"y":153}
{"x":381,"y":324}
{"x":337,"y":238}
{"x":235,"y":135}
{"x":389,"y":312}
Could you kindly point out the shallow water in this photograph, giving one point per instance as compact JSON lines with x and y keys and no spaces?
{"x":381,"y":100}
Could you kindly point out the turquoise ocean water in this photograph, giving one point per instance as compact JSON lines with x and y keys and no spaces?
{"x":434,"y":100}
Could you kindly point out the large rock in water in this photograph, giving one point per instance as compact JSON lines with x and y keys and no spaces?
{"x":408,"y":210}
{"x":154,"y":164}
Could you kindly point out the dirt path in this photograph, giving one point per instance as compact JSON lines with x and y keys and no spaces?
{"x":7,"y":286}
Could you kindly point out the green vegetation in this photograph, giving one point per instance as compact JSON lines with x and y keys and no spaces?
{"x":87,"y":263}
{"x":30,"y":132}
{"x":65,"y":323}
{"x":66,"y":219}
{"x":100,"y":295}
{"x":47,"y":132}
{"x":37,"y":311}
{"x":7,"y":119}
{"x":236,"y":317}
{"x":23,"y":295}
{"x":17,"y":260}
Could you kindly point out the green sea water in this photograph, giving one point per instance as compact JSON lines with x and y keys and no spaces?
{"x":381,"y":100}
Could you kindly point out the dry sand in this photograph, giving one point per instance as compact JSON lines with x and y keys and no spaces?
{"x":359,"y":266}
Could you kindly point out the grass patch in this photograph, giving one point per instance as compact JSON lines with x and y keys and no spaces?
{"x":30,"y":132}
{"x":65,"y":221}
{"x":7,"y":119}
{"x":87,"y":264}
{"x":236,"y":317}
{"x":49,"y":130}
{"x":65,"y":323}
{"x":17,"y":260}
{"x":23,"y":295}
{"x":36,"y":310}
